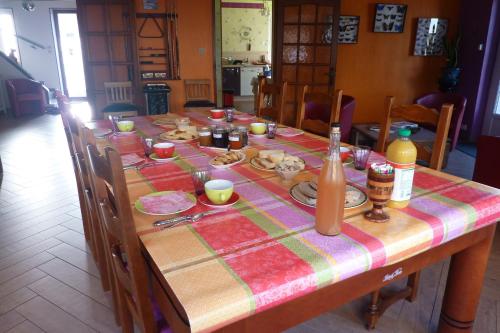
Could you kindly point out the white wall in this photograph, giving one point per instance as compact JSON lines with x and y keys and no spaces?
{"x":37,"y":26}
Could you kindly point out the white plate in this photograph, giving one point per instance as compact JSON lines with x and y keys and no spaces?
{"x":296,"y":132}
{"x":101,"y":132}
{"x":124,"y":133}
{"x":163,"y":160}
{"x":257,"y":166}
{"x":257,"y":136}
{"x":138,"y":204}
{"x":226,"y":166}
{"x":216,"y":119}
{"x":349,"y":187}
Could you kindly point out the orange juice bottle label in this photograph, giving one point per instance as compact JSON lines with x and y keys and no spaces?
{"x":403,"y":180}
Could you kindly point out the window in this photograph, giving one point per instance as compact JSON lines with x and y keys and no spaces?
{"x":8,"y":39}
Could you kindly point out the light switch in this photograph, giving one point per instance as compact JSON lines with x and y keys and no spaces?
{"x":202,"y":51}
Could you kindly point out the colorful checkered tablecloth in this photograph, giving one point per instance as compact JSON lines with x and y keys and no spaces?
{"x":264,"y":250}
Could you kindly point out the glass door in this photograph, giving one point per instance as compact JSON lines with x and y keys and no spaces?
{"x":306,"y":48}
{"x":69,"y":54}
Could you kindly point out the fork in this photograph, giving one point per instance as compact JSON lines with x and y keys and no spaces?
{"x":169,"y":223}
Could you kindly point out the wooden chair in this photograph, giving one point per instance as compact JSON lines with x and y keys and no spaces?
{"x":316,"y":124}
{"x":122,"y":242}
{"x":119,"y":99}
{"x":86,"y":197}
{"x":419,"y":114}
{"x":434,"y":155}
{"x":198,"y":93}
{"x":271,"y":99}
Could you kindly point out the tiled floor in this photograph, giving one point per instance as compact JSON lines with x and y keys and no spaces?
{"x":48,"y":281}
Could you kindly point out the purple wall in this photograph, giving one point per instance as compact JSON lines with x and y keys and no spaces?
{"x":479,"y":24}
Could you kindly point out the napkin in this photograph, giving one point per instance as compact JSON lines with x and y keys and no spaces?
{"x":167,"y":203}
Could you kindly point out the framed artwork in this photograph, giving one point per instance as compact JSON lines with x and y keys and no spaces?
{"x":348,"y":29}
{"x":429,"y":38}
{"x":389,"y":18}
{"x":150,"y":4}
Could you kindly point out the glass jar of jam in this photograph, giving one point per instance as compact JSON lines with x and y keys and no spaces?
{"x":205,"y":136}
{"x":235,"y":140}
{"x":243,"y":135}
{"x":220,"y":137}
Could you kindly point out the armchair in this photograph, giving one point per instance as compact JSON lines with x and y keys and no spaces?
{"x":26,"y":96}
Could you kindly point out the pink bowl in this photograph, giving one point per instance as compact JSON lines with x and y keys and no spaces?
{"x":164,"y":149}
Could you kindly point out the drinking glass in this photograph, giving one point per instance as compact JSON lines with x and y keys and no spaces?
{"x":380,"y":188}
{"x":271,"y":129}
{"x":361,"y":154}
{"x":200,"y":176}
{"x":147,"y":144}
{"x":114,"y":120}
{"x":182,"y":123}
{"x":229,"y":114}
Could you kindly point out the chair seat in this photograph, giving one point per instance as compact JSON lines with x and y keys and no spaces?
{"x":28,"y":97}
{"x":199,"y":104}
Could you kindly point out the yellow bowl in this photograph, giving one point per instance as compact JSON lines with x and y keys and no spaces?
{"x":258,"y":128}
{"x":219,"y":190}
{"x":125,"y":125}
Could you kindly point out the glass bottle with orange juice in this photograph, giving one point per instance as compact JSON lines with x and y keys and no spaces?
{"x":331,"y":189}
{"x":402,"y":154}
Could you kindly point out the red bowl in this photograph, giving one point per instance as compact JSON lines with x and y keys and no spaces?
{"x":217,"y":114}
{"x":344,"y":153}
{"x":164,"y":149}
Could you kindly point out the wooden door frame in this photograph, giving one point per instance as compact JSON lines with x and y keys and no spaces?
{"x":278,"y":37}
{"x":217,"y":46}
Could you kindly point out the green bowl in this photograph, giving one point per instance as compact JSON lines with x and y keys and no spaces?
{"x":125,"y":125}
{"x":258,"y":128}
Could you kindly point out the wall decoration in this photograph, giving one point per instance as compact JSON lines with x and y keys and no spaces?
{"x":348,"y":29}
{"x":389,"y":17}
{"x":430,"y":34}
{"x":150,"y":4}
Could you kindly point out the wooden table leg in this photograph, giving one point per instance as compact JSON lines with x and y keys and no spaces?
{"x":463,"y":287}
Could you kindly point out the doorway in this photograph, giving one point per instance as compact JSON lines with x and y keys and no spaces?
{"x":69,"y":54}
{"x":491,"y":124}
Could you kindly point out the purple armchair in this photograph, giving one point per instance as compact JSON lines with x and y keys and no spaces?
{"x":322,"y":112}
{"x":436,"y":100}
{"x":26,"y":96}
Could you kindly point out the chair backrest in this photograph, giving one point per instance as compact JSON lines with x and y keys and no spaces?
{"x":197,"y":90}
{"x":487,"y":161}
{"x":119,"y":92}
{"x":24,"y":86}
{"x":120,"y":233}
{"x":271,"y":100}
{"x":347,"y":108}
{"x":421,"y":115}
{"x":436,"y":100}
{"x":317,"y":111}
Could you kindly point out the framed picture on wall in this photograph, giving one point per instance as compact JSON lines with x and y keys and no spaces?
{"x":429,"y":38}
{"x":389,"y":18}
{"x":348,"y":29}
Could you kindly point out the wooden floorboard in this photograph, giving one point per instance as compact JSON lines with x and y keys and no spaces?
{"x":49,"y":281}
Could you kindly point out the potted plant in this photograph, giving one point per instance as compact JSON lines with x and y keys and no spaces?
{"x":450,"y":74}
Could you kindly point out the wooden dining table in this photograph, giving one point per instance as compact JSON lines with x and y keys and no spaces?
{"x":260,"y":266}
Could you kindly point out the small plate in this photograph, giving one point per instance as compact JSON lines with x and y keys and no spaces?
{"x":154,"y":157}
{"x":257,"y":136}
{"x":118,"y":133}
{"x":134,"y":163}
{"x":216,"y":119}
{"x":205,"y":201}
{"x":244,"y":117}
{"x":101,"y":132}
{"x":289,"y":132}
{"x":221,"y":149}
{"x":225,"y":166}
{"x":138,"y":204}
{"x":349,"y":187}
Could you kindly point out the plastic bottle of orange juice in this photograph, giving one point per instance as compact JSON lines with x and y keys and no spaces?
{"x":402,"y":154}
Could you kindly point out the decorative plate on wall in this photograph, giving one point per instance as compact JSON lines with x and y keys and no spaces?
{"x":389,"y":18}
